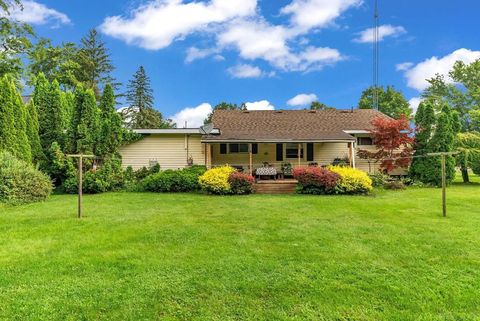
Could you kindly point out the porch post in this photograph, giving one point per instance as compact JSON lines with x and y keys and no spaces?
{"x":354,"y":163}
{"x":351,"y":155}
{"x":251,"y":158}
{"x":209,"y":156}
{"x":299,"y":154}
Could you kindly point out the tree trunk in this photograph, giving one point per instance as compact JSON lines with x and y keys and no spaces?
{"x":465,"y":177}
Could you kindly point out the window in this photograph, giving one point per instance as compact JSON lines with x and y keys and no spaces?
{"x":237,"y":148}
{"x":364,"y":141}
{"x":291,"y":150}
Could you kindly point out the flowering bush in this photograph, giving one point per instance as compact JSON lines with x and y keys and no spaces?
{"x":241,"y":184}
{"x":215,"y":180}
{"x":315,"y":180}
{"x":352,"y":181}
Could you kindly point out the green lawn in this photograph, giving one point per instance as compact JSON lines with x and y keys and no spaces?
{"x":390,"y":256}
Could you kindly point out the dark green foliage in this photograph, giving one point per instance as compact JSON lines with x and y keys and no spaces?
{"x":85,"y":122}
{"x":316,"y":105}
{"x":144,"y":171}
{"x":95,"y":64}
{"x":20,"y":182}
{"x":32,"y":132}
{"x":379,"y":179}
{"x":422,"y":167}
{"x":7,"y":118}
{"x":395,"y":185}
{"x":57,"y":165}
{"x":23,"y":148}
{"x":184,"y":180}
{"x":111,"y":129}
{"x":468,"y":144}
{"x":141,"y":112}
{"x":391,"y":102}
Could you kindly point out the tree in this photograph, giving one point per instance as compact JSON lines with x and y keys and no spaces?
{"x":319,"y":106}
{"x":24,"y":150}
{"x":95,"y":63}
{"x":110,"y":136}
{"x":85,"y":122}
{"x":32,"y":133}
{"x":468,"y":144}
{"x":425,"y":123}
{"x":224,"y":106}
{"x":393,"y":140}
{"x":139,"y":96}
{"x":55,"y":62}
{"x":391,"y":102}
{"x":14,"y":40}
{"x":7,"y":118}
{"x":51,"y":114}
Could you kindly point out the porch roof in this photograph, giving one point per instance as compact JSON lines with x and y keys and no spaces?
{"x":290,"y":125}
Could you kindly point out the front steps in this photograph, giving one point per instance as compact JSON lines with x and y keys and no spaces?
{"x":275,"y":186}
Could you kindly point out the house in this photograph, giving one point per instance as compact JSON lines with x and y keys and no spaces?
{"x":251,"y":139}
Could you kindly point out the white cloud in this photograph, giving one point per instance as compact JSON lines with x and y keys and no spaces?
{"x":308,"y":14}
{"x":366,"y":36}
{"x":404,"y":66}
{"x":302,"y":100}
{"x":260,"y":105}
{"x":194,"y":53}
{"x":157,"y":24}
{"x":414,"y":102}
{"x":194,"y":116}
{"x":417,"y":75}
{"x":38,"y":14}
{"x":245,"y":71}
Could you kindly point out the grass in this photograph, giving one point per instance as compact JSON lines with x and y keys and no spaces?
{"x":390,"y":256}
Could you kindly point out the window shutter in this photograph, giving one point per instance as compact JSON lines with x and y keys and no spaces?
{"x":279,"y":152}
{"x":254,"y":148}
{"x":310,"y":152}
{"x":223,"y":148}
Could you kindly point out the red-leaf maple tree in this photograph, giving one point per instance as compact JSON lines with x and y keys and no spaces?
{"x":393,"y":140}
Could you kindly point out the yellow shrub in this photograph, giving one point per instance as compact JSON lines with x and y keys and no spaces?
{"x":215,"y":180}
{"x":352,"y":181}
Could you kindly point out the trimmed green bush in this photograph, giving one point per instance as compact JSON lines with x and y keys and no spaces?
{"x":20,"y":182}
{"x":184,"y":180}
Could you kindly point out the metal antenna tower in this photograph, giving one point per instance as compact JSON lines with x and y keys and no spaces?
{"x":376,"y":56}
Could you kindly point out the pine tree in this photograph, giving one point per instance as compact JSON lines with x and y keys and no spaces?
{"x":94,"y":60}
{"x":7,"y":120}
{"x":141,"y":113}
{"x":85,"y":122}
{"x":424,"y":121}
{"x":111,"y":125}
{"x":23,"y":148}
{"x":32,"y":133}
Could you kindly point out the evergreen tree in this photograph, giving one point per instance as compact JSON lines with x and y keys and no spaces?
{"x":139,"y":95}
{"x":32,"y":133}
{"x":7,"y":118}
{"x":111,"y":125}
{"x":23,"y":147}
{"x":421,"y":168}
{"x":51,"y":115}
{"x":85,"y":122}
{"x":391,"y":102}
{"x":94,"y":60}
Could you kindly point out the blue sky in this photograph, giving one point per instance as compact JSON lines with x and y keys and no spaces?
{"x":271,"y":53}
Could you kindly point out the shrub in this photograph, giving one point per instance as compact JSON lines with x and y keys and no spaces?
{"x":379,"y":179}
{"x":341,"y":161}
{"x":352,"y":181}
{"x":215,"y":180}
{"x":315,"y":180}
{"x":184,"y":180}
{"x":395,"y":185}
{"x":144,"y":171}
{"x":241,"y":184}
{"x":20,"y":182}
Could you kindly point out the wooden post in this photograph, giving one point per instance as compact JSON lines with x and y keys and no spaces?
{"x":444,"y":187}
{"x":251,"y":158}
{"x":352,"y":155}
{"x":299,"y":154}
{"x":80,"y":179}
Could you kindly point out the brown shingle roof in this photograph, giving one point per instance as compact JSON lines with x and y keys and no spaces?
{"x":290,"y":125}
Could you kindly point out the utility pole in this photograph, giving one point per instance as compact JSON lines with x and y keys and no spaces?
{"x":80,"y":179}
{"x":376,"y":56}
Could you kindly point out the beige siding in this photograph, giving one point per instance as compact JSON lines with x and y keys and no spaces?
{"x":169,"y":150}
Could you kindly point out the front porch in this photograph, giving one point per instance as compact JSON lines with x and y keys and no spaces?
{"x":276,"y":160}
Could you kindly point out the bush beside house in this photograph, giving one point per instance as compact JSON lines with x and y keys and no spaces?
{"x":20,"y":182}
{"x":352,"y":181}
{"x":182,"y":180}
{"x":226,"y":180}
{"x":315,"y":180}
